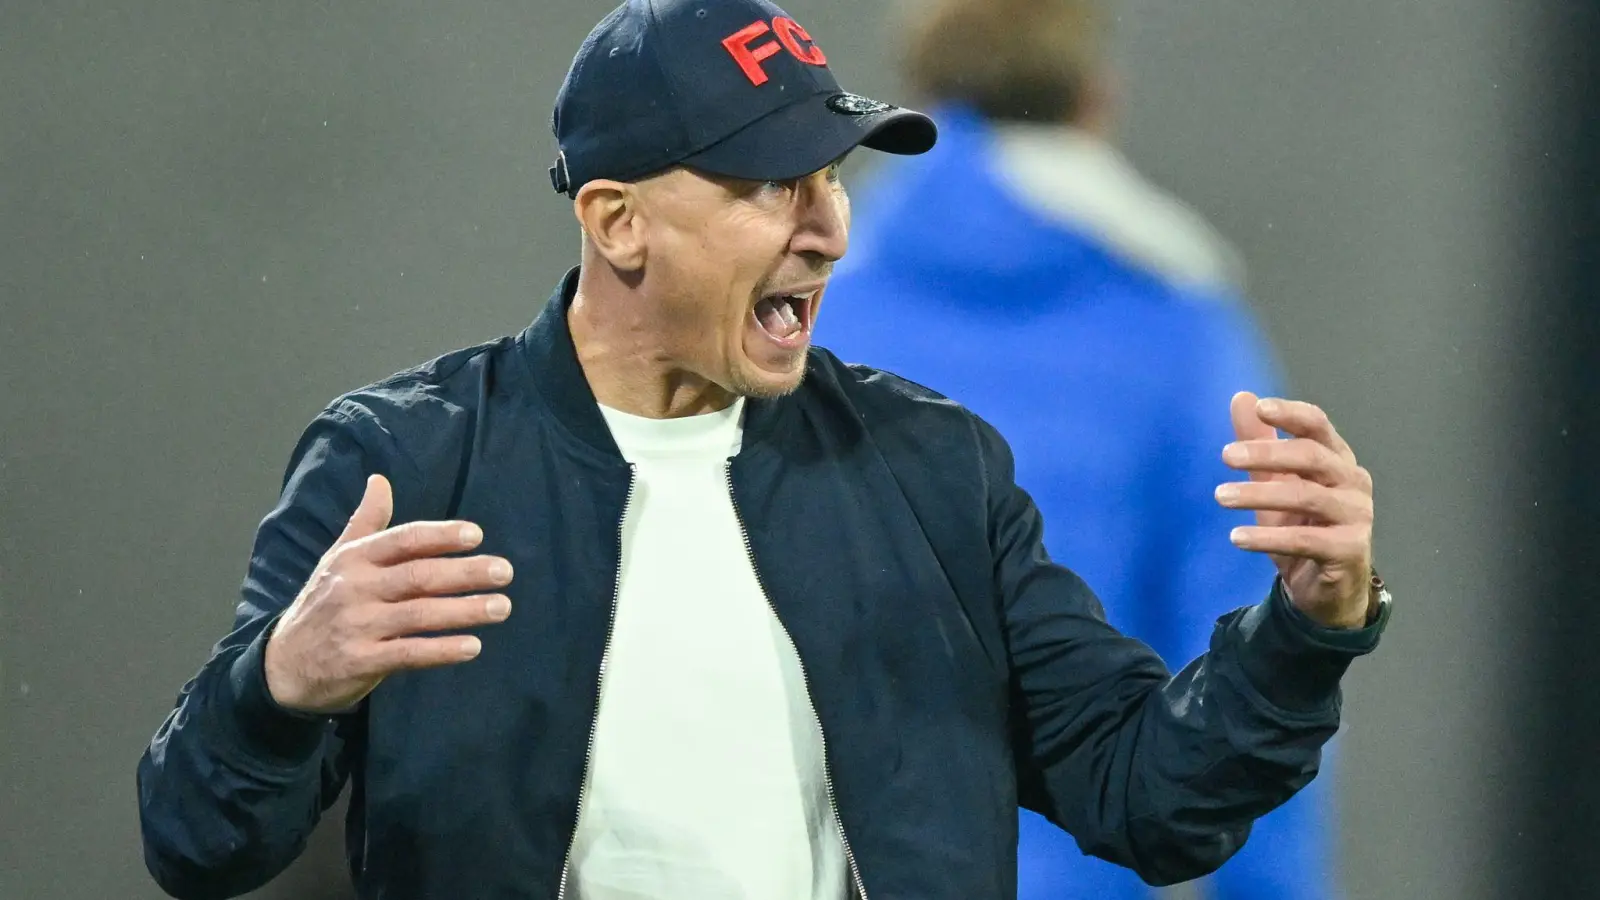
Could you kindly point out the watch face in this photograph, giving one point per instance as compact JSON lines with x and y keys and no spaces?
{"x":1385,"y":604}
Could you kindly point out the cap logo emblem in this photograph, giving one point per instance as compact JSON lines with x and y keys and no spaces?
{"x":791,"y":37}
{"x":856,"y":105}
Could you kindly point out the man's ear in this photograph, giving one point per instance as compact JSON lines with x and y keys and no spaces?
{"x":609,"y":214}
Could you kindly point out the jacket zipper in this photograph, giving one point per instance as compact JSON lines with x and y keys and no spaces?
{"x":827,"y":776}
{"x":594,"y":720}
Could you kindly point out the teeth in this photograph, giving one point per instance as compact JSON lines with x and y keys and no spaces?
{"x":786,"y":310}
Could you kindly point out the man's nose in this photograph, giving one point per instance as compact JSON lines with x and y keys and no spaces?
{"x":823,"y":229}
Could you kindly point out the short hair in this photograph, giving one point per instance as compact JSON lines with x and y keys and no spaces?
{"x":1013,"y":60}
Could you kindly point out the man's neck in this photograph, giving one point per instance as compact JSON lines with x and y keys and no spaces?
{"x":627,"y":372}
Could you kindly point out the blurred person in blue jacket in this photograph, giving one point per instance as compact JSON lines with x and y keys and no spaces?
{"x":1025,"y":265}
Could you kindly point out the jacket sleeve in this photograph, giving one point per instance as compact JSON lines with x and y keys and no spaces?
{"x":1163,"y":774}
{"x":1203,"y":576}
{"x":232,"y":784}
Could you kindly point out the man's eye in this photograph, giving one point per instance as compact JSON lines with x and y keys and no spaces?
{"x":774,"y":189}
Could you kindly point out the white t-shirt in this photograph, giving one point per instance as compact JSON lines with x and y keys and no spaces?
{"x":706,"y":781}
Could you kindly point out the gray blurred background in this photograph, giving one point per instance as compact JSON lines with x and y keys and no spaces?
{"x":214,"y":217}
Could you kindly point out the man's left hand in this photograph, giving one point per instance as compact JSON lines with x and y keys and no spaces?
{"x":1313,"y":506}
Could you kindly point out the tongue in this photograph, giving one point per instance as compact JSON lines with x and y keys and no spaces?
{"x":776,"y":317}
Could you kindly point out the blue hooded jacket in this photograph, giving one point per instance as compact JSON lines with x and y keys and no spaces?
{"x":1113,"y":387}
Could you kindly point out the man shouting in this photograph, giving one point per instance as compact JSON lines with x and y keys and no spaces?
{"x":657,"y":600}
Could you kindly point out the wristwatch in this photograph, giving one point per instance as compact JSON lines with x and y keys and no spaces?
{"x":1378,"y":599}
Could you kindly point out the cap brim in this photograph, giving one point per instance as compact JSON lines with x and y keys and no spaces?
{"x":805,"y":137}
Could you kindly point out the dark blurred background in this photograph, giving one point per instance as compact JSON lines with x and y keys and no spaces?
{"x":214,"y":217}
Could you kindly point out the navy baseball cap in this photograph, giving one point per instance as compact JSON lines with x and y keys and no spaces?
{"x":730,"y":87}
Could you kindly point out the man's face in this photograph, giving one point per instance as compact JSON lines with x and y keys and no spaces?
{"x":737,"y":268}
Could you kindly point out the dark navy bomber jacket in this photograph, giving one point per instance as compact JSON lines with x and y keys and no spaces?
{"x":956,"y":671}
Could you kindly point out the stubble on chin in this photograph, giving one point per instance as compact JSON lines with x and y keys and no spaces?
{"x":769,"y":389}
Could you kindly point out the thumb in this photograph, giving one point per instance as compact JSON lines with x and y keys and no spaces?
{"x":372,"y":515}
{"x":1247,"y":425}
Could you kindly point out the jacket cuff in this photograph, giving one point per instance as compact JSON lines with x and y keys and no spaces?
{"x":263,"y":730}
{"x":1292,"y":661}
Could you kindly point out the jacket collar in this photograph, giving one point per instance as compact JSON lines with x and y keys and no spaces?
{"x":551,"y":360}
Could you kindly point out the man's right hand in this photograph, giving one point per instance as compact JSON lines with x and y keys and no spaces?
{"x":373,"y":593}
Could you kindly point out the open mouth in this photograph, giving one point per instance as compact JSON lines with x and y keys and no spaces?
{"x":786,"y":317}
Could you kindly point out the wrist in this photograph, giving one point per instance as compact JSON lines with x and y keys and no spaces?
{"x":1352,"y":616}
{"x":274,"y":692}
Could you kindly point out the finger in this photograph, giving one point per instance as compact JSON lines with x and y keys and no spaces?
{"x":449,"y":575}
{"x":429,"y":614}
{"x":1306,"y":420}
{"x":371,"y":514}
{"x":1247,"y":425}
{"x":1295,"y":456}
{"x":1323,"y":543}
{"x":401,"y":654}
{"x":1327,"y":504}
{"x":421,"y":540}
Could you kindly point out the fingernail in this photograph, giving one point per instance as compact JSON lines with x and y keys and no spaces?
{"x":1270,"y":407}
{"x":1234,"y":453}
{"x":1236,"y":535}
{"x":1227,"y":492}
{"x":471,"y":534}
{"x":498,"y":607}
{"x":471,"y":646}
{"x":500,"y":570}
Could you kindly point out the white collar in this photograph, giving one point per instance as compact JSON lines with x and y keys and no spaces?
{"x":1081,"y":181}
